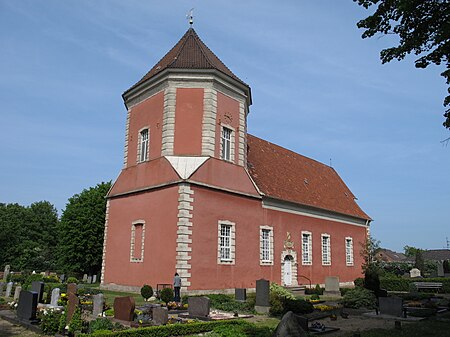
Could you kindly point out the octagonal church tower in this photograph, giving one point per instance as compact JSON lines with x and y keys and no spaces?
{"x":199,"y":196}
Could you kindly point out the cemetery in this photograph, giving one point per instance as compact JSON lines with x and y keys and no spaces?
{"x":56,"y":305}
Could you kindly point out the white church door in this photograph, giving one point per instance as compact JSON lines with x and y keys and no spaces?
{"x":288,"y":270}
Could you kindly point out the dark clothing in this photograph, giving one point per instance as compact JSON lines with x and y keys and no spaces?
{"x":176,"y":288}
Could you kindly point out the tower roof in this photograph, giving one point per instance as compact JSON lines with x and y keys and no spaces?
{"x":190,"y":53}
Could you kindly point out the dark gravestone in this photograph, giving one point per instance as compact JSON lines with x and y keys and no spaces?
{"x":290,"y":326}
{"x":72,"y":288}
{"x":124,"y":308}
{"x":262,"y":305}
{"x":72,"y":305}
{"x":240,"y":294}
{"x":2,"y":284}
{"x":198,"y":306}
{"x":38,"y":287}
{"x":392,"y":306}
{"x":160,"y":315}
{"x":28,"y":301}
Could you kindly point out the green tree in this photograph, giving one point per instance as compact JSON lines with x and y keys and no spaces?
{"x":28,"y":236}
{"x":81,"y":230}
{"x":423,"y":28}
{"x":368,"y":250}
{"x":410,"y":251}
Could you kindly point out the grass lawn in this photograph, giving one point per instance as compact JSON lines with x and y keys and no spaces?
{"x":110,"y":295}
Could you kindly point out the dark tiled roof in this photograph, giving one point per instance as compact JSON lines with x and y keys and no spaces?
{"x":190,"y":53}
{"x":436,"y":254}
{"x":282,"y":174}
{"x":389,"y":255}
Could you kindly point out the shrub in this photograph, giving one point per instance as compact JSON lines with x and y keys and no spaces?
{"x":318,"y":290}
{"x":170,"y":330}
{"x":359,"y":298}
{"x":359,"y":282}
{"x":276,"y":305}
{"x":315,"y":297}
{"x":372,"y":280}
{"x":51,"y":279}
{"x":100,"y":324}
{"x":17,"y":278}
{"x":71,"y":280}
{"x":227,"y":303}
{"x":297,"y":306}
{"x":280,"y":291}
{"x":50,"y":319}
{"x":146,"y":291}
{"x":166,"y":295}
{"x":62,"y":321}
{"x":30,"y":279}
{"x":76,"y":323}
{"x":344,"y":290}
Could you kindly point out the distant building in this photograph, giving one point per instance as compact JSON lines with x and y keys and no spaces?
{"x":387,"y":255}
{"x":200,"y":196}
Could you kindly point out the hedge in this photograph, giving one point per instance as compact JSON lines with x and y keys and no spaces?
{"x":167,"y":330}
{"x":402,"y":284}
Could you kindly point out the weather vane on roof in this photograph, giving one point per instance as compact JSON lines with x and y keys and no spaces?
{"x":190,"y":16}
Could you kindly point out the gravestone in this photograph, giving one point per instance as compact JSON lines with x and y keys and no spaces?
{"x":262,"y":304}
{"x":72,"y":288}
{"x":332,"y":286}
{"x":94,"y":279}
{"x":6,"y":272}
{"x":28,"y":301}
{"x":240,"y":294}
{"x":62,"y":278}
{"x":55,"y":297}
{"x":17,"y":293}
{"x":392,"y":306}
{"x":440,"y":269}
{"x":99,"y":302}
{"x":160,"y":315}
{"x":2,"y":284}
{"x":38,"y":287}
{"x":199,"y":306}
{"x":72,"y":305}
{"x":85,"y":277}
{"x":414,"y":272}
{"x":8,"y":289}
{"x":89,"y":279}
{"x":124,"y":308}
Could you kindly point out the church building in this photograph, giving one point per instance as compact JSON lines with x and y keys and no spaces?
{"x":199,"y":196}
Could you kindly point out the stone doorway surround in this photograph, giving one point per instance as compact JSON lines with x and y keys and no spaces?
{"x":292,"y":256}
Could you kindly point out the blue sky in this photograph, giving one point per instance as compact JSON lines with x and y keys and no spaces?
{"x":318,"y":89}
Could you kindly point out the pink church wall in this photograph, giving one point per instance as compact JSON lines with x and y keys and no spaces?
{"x":248,"y":214}
{"x":188,"y":121}
{"x":159,"y":211}
{"x":149,"y":114}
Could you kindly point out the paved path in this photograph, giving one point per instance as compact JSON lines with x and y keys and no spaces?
{"x":8,"y":329}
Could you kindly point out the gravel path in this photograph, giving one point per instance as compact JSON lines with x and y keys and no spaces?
{"x":8,"y":329}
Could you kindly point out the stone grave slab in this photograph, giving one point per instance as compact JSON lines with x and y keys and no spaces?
{"x":124,"y":308}
{"x":414,"y":273}
{"x":85,"y":277}
{"x":262,"y":305}
{"x":440,"y":269}
{"x":6,"y":272}
{"x":56,"y":294}
{"x":240,"y":294}
{"x":94,"y":279}
{"x":332,"y":286}
{"x":28,"y":301}
{"x":89,"y":279}
{"x":38,"y":287}
{"x":199,"y":306}
{"x":17,"y":293}
{"x":160,"y":315}
{"x":9,"y":286}
{"x":392,"y":306}
{"x":99,"y":302}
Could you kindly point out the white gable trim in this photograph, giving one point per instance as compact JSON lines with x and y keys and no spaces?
{"x":186,"y":166}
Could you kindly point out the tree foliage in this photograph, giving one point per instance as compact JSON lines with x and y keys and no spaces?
{"x":423,"y":28}
{"x":368,"y":250}
{"x":410,"y":251}
{"x":27,"y":236}
{"x":81,"y":230}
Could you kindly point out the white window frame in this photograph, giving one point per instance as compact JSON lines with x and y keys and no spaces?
{"x":266,"y":245}
{"x":134,"y":224}
{"x":226,"y":244}
{"x":349,"y":251}
{"x":227,"y":144}
{"x":143,"y":145}
{"x":326,"y":249}
{"x":306,"y":248}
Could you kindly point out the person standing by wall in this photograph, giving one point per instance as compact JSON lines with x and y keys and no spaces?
{"x":177,"y":287}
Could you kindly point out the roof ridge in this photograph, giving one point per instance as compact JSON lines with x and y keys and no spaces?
{"x":180,"y":48}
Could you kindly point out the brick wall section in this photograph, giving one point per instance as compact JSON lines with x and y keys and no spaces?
{"x":184,"y":232}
